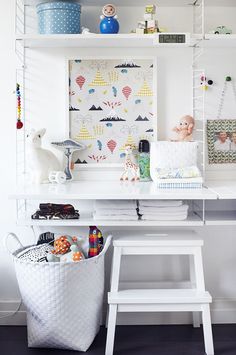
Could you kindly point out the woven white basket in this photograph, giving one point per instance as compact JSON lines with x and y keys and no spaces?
{"x":63,"y":300}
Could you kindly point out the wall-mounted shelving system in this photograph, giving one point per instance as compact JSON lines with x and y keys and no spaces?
{"x":200,"y":40}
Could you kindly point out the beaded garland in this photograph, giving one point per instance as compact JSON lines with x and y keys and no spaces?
{"x":19,"y":123}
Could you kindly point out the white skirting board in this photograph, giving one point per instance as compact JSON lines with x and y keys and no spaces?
{"x":223,"y":310}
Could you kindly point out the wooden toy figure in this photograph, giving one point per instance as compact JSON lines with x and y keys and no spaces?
{"x":130,"y":167}
{"x":185,"y":129}
{"x":109,"y":23}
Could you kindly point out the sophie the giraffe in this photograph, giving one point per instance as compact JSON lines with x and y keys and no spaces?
{"x":130,"y":168}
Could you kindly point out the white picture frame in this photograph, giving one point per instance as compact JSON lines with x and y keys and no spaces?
{"x":109,"y":59}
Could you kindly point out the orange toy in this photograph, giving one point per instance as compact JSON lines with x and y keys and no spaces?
{"x":62,"y":245}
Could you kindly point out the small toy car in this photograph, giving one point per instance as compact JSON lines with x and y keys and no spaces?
{"x":222,"y":30}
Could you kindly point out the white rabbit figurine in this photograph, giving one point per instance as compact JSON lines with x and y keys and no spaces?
{"x":41,"y":161}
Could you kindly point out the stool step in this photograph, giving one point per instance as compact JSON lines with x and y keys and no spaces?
{"x":158,"y":241}
{"x":159,"y":296}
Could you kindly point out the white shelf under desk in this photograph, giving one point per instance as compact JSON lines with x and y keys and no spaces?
{"x":193,"y":220}
{"x":113,"y":190}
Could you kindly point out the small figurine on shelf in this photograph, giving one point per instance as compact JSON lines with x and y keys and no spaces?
{"x":149,"y":25}
{"x":68,"y":146}
{"x":41,"y":161}
{"x":185,"y":129}
{"x":131,"y":169}
{"x":109,"y":23}
{"x":221,"y":30}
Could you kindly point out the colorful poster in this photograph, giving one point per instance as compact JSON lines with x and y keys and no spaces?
{"x":111,"y":105}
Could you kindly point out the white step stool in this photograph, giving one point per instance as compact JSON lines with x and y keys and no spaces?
{"x":194,"y":300}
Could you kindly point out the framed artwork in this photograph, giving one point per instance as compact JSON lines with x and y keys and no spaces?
{"x":112,"y":103}
{"x":221,"y":139}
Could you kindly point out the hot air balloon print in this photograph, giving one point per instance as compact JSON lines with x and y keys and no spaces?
{"x":126,"y":91}
{"x":80,"y":80}
{"x":111,"y":145}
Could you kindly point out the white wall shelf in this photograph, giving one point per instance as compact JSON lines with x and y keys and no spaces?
{"x":193,"y":220}
{"x":126,"y":3}
{"x":114,"y":190}
{"x":96,"y":40}
{"x":220,"y":218}
{"x":218,"y":41}
{"x":120,"y":41}
{"x":224,"y":189}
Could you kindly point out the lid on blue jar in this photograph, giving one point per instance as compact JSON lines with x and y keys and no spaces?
{"x":144,"y":146}
{"x":59,"y":5}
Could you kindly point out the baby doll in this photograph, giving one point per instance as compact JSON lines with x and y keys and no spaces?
{"x":185,"y":129}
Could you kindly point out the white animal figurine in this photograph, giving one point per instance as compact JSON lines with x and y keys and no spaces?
{"x":130,"y":167}
{"x":41,"y":161}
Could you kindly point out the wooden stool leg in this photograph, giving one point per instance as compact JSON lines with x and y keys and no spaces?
{"x":111,"y":329}
{"x":207,"y":329}
{"x":195,"y":315}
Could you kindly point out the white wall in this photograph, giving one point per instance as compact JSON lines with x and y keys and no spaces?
{"x":45,"y":76}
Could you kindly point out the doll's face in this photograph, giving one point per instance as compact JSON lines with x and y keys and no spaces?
{"x":109,"y":10}
{"x":185,"y":122}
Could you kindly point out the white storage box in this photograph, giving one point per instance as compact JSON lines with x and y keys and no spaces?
{"x":63,"y":300}
{"x":174,"y":155}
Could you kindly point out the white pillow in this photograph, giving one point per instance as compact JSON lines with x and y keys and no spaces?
{"x":173,"y":155}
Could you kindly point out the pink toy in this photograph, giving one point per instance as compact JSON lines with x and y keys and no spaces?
{"x":185,"y":129}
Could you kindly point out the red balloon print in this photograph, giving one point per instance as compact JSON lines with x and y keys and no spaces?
{"x":126,"y":92}
{"x":111,"y":145}
{"x":80,"y":80}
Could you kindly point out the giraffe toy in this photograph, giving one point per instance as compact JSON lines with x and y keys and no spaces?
{"x":131,"y":169}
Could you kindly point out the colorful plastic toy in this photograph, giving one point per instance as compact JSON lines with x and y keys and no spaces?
{"x":19,"y":123}
{"x":109,"y":23}
{"x":66,"y":248}
{"x":95,"y":241}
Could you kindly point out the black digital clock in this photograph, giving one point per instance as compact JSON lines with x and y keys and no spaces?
{"x":172,"y":38}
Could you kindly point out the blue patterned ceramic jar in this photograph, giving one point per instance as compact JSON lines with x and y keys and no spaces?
{"x":59,"y":17}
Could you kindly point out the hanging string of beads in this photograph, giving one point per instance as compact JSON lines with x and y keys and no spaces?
{"x":228,"y":80}
{"x":19,"y":123}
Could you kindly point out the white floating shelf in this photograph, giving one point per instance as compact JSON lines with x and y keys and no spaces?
{"x":98,"y":40}
{"x":219,"y":41}
{"x":220,"y":218}
{"x":137,"y":3}
{"x":126,"y":3}
{"x":81,"y":40}
{"x":192,"y":221}
{"x":113,"y":190}
{"x":223,"y":189}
